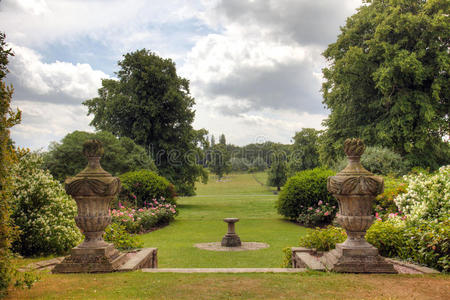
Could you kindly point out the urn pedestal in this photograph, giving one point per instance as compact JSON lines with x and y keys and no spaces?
{"x":355,"y":188}
{"x":231,"y":239}
{"x":93,"y":190}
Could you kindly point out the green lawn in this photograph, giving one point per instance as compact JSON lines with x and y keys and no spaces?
{"x":201,"y":221}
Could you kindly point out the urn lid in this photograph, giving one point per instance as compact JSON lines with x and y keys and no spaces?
{"x":93,"y":174}
{"x":354,"y":148}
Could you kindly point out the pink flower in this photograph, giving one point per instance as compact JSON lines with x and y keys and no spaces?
{"x":174,"y":205}
{"x":167,"y":205}
{"x":326,"y":213}
{"x":134,"y":196}
{"x":320,"y":202}
{"x":317,"y":210}
{"x":309,"y":208}
{"x":153,"y":214}
{"x":141,"y":210}
{"x":121,"y":214}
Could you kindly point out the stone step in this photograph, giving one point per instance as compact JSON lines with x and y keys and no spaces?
{"x":224,"y":270}
{"x":310,"y":261}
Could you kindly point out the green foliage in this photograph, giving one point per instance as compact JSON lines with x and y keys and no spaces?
{"x":387,"y":81}
{"x":304,"y":190}
{"x":220,"y":160}
{"x":321,"y":214}
{"x":384,"y":203}
{"x":305,"y":153}
{"x":8,"y":118}
{"x":287,"y":258}
{"x":66,"y":159}
{"x":422,"y":242}
{"x":42,"y":210}
{"x":323,"y":239}
{"x":427,"y":196}
{"x":151,"y":104}
{"x":258,"y":165}
{"x":277,"y":174}
{"x":140,"y":187}
{"x":239,"y":164}
{"x":122,"y":240}
{"x":379,"y":160}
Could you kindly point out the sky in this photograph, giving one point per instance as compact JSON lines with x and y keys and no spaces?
{"x":254,"y":65}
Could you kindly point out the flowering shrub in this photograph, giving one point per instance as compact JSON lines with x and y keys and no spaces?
{"x":427,"y":196}
{"x":323,"y":213}
{"x":303,"y":192}
{"x":155,"y":213}
{"x":384,"y":203}
{"x":422,"y":242}
{"x":42,"y":210}
{"x":141,"y":186}
{"x":122,"y":240}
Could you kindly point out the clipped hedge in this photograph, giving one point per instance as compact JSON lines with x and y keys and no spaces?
{"x":141,"y":187}
{"x":303,"y":192}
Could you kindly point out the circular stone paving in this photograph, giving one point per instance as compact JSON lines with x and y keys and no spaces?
{"x":216,"y":246}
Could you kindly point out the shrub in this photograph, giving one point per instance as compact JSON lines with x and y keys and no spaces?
{"x":42,"y":210}
{"x":422,"y":242}
{"x":323,"y":213}
{"x":427,"y":196}
{"x":122,"y":240}
{"x":143,"y":219}
{"x":304,"y":191}
{"x":140,"y":187}
{"x":323,"y":239}
{"x":379,"y":160}
{"x":384,"y":203}
{"x":287,"y":258}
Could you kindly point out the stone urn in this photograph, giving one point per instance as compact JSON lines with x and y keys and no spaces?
{"x":355,"y":188}
{"x":93,"y":190}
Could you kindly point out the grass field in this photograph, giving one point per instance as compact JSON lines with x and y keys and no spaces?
{"x":200,"y":220}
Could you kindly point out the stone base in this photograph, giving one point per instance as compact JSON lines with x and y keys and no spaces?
{"x":345,"y":259}
{"x":106,"y":259}
{"x":231,"y":240}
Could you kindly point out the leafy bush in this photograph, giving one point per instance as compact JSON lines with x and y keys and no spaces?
{"x":422,"y":242}
{"x":427,"y":196}
{"x":239,"y":164}
{"x":143,"y":219}
{"x":122,"y":155}
{"x":140,"y":187}
{"x":287,"y":258}
{"x":323,"y":239}
{"x":42,"y":210}
{"x":122,"y":240}
{"x":304,"y":191}
{"x":384,"y":203}
{"x":379,"y":160}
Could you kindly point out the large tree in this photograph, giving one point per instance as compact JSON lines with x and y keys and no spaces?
{"x":152,"y":105}
{"x":388,"y":80}
{"x":8,"y":118}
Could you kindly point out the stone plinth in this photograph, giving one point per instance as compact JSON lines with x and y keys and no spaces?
{"x":231,"y":239}
{"x":355,"y":188}
{"x":93,"y":190}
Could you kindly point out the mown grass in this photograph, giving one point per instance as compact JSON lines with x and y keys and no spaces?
{"x":201,"y":221}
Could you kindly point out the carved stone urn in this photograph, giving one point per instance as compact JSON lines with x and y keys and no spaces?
{"x":355,"y":188}
{"x":93,"y":190}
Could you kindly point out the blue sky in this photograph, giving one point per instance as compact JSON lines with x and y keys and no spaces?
{"x":254,"y":66}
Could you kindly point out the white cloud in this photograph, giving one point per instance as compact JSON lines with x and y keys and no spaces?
{"x":60,"y":82}
{"x":46,"y":122}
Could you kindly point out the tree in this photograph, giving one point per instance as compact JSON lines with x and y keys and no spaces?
{"x":8,"y":118}
{"x":305,"y":153}
{"x":277,"y":174}
{"x":122,"y":155}
{"x":222,"y":139}
{"x":151,"y":104}
{"x":220,"y":160}
{"x":388,"y":81}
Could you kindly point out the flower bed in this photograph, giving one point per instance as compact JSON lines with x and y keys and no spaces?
{"x":154,"y":214}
